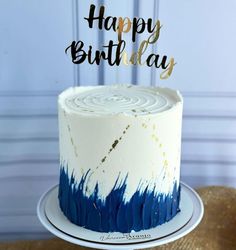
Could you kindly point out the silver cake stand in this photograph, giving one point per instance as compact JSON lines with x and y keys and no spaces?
{"x":184,"y":222}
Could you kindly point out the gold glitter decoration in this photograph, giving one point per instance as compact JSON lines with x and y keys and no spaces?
{"x":155,"y":138}
{"x":165,"y":167}
{"x":153,"y":175}
{"x":144,"y":125}
{"x":165,"y":163}
{"x":72,"y":142}
{"x":113,"y":146}
{"x":76,"y":153}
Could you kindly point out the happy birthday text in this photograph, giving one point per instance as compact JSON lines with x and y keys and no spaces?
{"x":115,"y":51}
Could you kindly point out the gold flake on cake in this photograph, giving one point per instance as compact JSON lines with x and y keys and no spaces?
{"x":71,"y":139}
{"x":114,"y":145}
{"x":144,"y":125}
{"x":155,"y":138}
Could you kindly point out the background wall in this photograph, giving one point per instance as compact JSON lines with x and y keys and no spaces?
{"x":34,"y":70}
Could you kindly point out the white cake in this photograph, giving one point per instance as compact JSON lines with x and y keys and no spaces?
{"x":120,"y":149}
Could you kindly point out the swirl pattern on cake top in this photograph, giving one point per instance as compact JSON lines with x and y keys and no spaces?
{"x":117,"y":99}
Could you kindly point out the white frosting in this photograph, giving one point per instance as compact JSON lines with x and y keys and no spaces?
{"x":116,"y":99}
{"x":119,"y":130}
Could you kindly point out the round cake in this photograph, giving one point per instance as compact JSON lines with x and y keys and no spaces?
{"x":120,"y":149}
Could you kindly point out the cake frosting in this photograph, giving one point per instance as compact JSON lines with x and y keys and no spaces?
{"x":120,"y":149}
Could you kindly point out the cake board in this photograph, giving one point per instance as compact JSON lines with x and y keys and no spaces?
{"x":184,"y":222}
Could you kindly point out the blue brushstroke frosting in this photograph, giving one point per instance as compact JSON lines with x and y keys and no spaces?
{"x":144,"y":210}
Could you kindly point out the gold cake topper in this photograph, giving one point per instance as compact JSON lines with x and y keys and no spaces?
{"x":114,"y":52}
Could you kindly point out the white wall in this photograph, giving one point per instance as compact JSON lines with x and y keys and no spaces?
{"x":34,"y":69}
{"x":201,"y":35}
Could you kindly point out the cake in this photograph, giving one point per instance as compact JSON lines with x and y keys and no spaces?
{"x":120,"y":149}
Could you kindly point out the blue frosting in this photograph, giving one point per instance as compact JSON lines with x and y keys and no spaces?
{"x":144,"y":210}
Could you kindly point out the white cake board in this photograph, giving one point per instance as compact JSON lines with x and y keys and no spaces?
{"x":184,"y":222}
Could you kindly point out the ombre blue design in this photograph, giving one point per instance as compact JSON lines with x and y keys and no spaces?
{"x":143,"y":211}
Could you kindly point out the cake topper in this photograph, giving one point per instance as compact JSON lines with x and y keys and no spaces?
{"x":115,"y":53}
